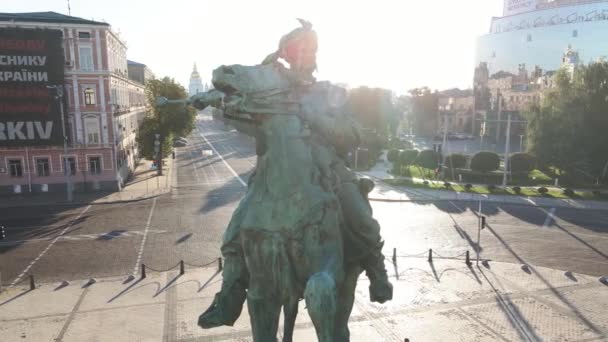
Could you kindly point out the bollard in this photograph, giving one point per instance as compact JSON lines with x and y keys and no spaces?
{"x":143,"y":271}
{"x":430,"y":255}
{"x":219,"y":264}
{"x":32,"y":283}
{"x":394,"y":255}
{"x":181,"y":267}
{"x":468,"y":259}
{"x":483,"y":222}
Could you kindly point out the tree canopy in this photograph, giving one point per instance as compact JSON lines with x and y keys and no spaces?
{"x":168,"y":121}
{"x":569,"y":128}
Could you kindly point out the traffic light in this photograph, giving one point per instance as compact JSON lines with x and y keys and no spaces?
{"x":2,"y":233}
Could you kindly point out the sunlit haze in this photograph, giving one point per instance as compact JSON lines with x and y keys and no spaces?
{"x":392,"y":44}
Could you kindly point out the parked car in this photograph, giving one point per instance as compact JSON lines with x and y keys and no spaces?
{"x":181,"y":139}
{"x":179,"y":143}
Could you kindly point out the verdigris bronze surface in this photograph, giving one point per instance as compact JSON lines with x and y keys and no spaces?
{"x":304,"y":229}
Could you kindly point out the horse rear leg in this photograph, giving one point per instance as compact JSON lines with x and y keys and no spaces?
{"x":264,"y":316}
{"x":321,"y":301}
{"x":290,"y":311}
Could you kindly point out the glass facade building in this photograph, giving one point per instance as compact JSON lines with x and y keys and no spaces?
{"x":540,"y":35}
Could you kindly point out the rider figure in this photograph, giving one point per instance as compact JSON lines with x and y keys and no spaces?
{"x":334,"y":134}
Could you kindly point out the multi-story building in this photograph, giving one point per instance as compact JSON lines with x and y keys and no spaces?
{"x":536,"y":33}
{"x":456,"y":112}
{"x":139,"y":72}
{"x":101,"y":105}
{"x":543,"y":34}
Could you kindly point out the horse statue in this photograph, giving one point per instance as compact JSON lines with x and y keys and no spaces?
{"x":290,"y":229}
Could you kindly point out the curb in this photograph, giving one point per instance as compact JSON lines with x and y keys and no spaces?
{"x":76,"y":203}
{"x":388,"y":200}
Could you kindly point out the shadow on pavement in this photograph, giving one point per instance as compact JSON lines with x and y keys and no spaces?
{"x":549,"y":286}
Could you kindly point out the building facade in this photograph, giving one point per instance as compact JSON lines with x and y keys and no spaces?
{"x":537,"y":32}
{"x":139,"y":72}
{"x":102,"y":110}
{"x":533,"y":39}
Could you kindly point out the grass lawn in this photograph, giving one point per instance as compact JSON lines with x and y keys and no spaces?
{"x":533,"y":178}
{"x":531,"y":192}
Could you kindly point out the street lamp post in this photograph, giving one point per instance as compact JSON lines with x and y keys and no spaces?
{"x":66,"y":165}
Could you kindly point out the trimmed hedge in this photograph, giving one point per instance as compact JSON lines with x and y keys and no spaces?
{"x":456,"y":161}
{"x":392,"y":155}
{"x":521,"y":162}
{"x":485,"y":161}
{"x":407,"y":157}
{"x":428,"y":159}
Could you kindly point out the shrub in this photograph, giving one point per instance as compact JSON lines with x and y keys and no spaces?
{"x":485,"y":161}
{"x":392,"y":155}
{"x":468,"y":187}
{"x":542,"y":190}
{"x":491,"y":187}
{"x":568,"y":192}
{"x":447,"y":184}
{"x":428,"y":159}
{"x":517,"y":189}
{"x":425,"y":182}
{"x":521,"y":162}
{"x":456,"y":161}
{"x":407,"y":157}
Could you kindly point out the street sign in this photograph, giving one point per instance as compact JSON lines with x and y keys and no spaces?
{"x":156,"y":149}
{"x":156,"y":143}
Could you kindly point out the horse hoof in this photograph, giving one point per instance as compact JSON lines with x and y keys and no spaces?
{"x":380,"y":291}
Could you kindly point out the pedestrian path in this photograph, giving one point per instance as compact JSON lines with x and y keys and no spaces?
{"x":144,"y":184}
{"x":441,"y":301}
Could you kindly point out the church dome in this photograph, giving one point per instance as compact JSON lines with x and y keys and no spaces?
{"x":195,"y":74}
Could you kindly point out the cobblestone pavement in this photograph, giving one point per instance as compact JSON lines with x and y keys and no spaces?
{"x":440,"y":301}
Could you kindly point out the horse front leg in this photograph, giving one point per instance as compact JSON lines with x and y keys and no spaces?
{"x":264,"y":317}
{"x":321,"y":301}
{"x":290,"y":311}
{"x":323,"y":245}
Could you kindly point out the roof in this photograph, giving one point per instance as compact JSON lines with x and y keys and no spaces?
{"x":48,"y":17}
{"x":134,"y":63}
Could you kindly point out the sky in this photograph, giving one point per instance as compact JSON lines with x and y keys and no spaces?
{"x":393,"y":44}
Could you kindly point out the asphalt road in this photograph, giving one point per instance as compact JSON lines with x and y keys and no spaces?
{"x":210,"y":175}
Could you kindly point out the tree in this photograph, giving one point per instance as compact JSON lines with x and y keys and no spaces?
{"x":168,"y":120}
{"x":425,"y":107}
{"x":568,"y":128}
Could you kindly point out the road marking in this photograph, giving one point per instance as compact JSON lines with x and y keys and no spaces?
{"x":18,"y":279}
{"x":549,"y":218}
{"x":222,"y":158}
{"x":198,"y":178}
{"x":102,"y":236}
{"x":143,"y":240}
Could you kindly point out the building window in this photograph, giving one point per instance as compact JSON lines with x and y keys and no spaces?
{"x":95,"y":165}
{"x":71,"y":165}
{"x":89,"y":97}
{"x":84,"y":35}
{"x":529,"y":38}
{"x":575,"y":33}
{"x":92,"y":130}
{"x":15,"y":167}
{"x":42,"y":167}
{"x":85,"y":55}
